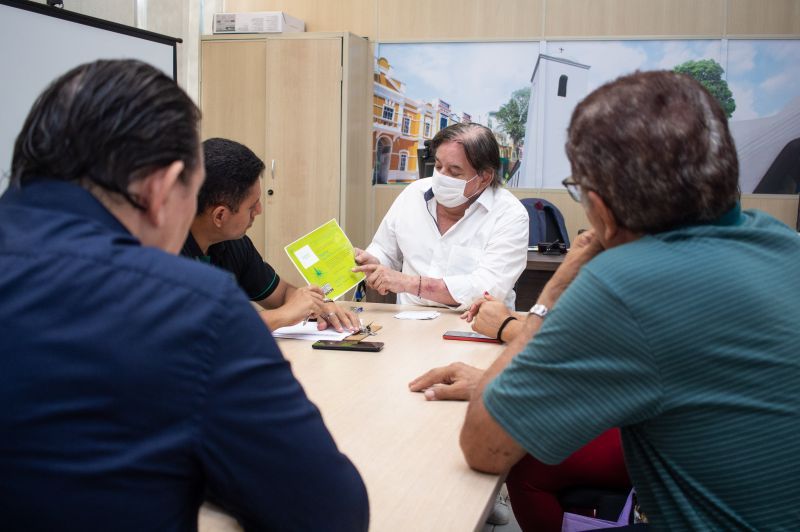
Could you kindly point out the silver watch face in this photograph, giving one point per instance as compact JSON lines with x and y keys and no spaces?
{"x":539,"y":310}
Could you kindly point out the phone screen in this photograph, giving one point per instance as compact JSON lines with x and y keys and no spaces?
{"x":347,"y":345}
{"x":469,"y":336}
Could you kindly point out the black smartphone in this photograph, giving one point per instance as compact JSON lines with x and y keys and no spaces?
{"x":348,"y":345}
{"x":470,"y":337}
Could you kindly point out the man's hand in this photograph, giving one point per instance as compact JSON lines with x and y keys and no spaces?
{"x":473,"y":309}
{"x":362,"y":257}
{"x":338,"y":318}
{"x":454,"y":382}
{"x":585,"y":247}
{"x":385,"y":280}
{"x":303,"y":302}
{"x":487,"y":315}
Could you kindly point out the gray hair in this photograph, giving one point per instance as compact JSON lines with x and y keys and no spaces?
{"x":656,"y":147}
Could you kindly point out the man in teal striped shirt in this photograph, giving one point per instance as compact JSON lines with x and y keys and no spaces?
{"x":675,"y":319}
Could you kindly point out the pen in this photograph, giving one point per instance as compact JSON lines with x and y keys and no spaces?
{"x":326,"y":300}
{"x":359,"y":310}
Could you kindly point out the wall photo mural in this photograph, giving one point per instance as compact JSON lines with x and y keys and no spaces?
{"x":526,"y":92}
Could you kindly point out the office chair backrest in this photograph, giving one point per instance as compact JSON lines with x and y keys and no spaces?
{"x":545,"y":222}
{"x":426,"y":160}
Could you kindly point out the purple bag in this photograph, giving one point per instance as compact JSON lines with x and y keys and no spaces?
{"x":579,"y":523}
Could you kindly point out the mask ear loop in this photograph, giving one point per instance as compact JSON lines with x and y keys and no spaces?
{"x":479,"y":191}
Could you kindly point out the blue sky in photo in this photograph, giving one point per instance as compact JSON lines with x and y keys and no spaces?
{"x":479,"y":77}
{"x":475,"y":78}
{"x":763,"y":75}
{"x":611,"y":59}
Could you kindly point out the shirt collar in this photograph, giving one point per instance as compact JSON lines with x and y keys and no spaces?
{"x":67,"y":197}
{"x":487,"y":197}
{"x":192,"y":248}
{"x":732,"y":217}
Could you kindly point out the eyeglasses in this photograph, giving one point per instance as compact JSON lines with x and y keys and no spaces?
{"x":573,"y":188}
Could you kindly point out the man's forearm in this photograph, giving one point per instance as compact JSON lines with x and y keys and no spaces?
{"x":435,"y":290}
{"x":486,"y":446}
{"x":274,"y":318}
{"x":278,"y":297}
{"x":514,"y":329}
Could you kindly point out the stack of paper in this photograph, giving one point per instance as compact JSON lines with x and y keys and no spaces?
{"x":308,"y":331}
{"x":417,"y":315}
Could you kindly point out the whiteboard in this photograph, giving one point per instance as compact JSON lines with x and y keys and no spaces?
{"x":38,"y":43}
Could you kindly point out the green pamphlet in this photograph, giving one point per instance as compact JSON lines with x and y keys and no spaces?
{"x":324,"y":257}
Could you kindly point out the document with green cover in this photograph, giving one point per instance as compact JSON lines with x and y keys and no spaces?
{"x":324,"y":257}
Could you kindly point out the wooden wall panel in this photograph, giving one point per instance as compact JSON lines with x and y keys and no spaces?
{"x":384,"y":197}
{"x":358,"y":156}
{"x":224,"y":87}
{"x":764,"y":17}
{"x":432,"y":20}
{"x":355,"y":16}
{"x":590,"y":18}
{"x":782,"y":207}
{"x":415,"y":20}
{"x":574,"y":217}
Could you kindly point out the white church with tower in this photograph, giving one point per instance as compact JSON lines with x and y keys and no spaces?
{"x":557,"y":85}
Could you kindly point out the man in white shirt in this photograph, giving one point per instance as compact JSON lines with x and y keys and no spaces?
{"x":450,"y":238}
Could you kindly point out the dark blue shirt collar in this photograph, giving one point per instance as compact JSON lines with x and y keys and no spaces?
{"x":66,"y":197}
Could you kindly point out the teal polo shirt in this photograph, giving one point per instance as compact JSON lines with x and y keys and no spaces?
{"x":689,"y":341}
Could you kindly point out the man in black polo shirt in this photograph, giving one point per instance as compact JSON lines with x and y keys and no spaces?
{"x":227,"y":205}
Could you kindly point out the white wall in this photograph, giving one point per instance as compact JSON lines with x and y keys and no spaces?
{"x":121,"y":11}
{"x":46,"y":47}
{"x":184,"y":19}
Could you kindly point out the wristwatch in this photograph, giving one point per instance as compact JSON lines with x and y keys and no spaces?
{"x":539,"y":310}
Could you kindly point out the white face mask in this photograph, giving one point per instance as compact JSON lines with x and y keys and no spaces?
{"x":449,"y":191}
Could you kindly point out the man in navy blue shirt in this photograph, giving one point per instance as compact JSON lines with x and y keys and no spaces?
{"x":135,"y":383}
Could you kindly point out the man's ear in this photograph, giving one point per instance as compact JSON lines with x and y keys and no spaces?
{"x":218,"y":215}
{"x":156,"y":190}
{"x":599,"y":208}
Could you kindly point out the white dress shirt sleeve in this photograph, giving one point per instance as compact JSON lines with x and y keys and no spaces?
{"x":502,"y":261}
{"x":384,"y":246}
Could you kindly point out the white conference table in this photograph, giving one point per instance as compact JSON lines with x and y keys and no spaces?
{"x":405,"y":447}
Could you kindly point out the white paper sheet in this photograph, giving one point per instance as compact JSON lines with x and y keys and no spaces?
{"x":417,"y":315}
{"x":309,"y":332}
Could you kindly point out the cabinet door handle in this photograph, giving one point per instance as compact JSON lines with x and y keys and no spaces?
{"x":272,"y":169}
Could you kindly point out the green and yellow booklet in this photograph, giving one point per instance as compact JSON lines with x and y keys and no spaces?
{"x":324,"y":257}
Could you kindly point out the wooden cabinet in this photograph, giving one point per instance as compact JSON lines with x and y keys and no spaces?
{"x":301,"y":103}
